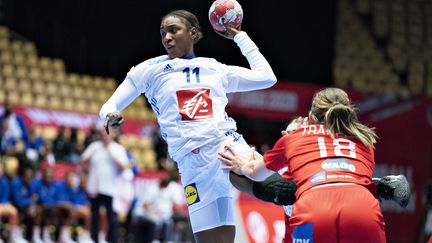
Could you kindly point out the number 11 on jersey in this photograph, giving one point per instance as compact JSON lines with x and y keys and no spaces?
{"x":195,"y":71}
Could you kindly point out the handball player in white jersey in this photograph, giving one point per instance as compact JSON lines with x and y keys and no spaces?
{"x":188,"y":95}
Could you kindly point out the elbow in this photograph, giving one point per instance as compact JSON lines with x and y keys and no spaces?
{"x":272,"y":80}
{"x":269,"y":81}
{"x":102,"y":112}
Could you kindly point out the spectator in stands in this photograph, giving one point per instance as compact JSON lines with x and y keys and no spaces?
{"x":92,"y":136}
{"x":158,"y":208}
{"x":106,"y":159}
{"x":81,"y":210}
{"x":13,"y":129}
{"x":24,"y":199}
{"x":35,"y":147}
{"x":7,"y":210}
{"x":75,"y":148}
{"x":23,"y":161}
{"x":61,"y":146}
{"x":46,"y":201}
{"x":161,"y":149}
{"x":182,"y":227}
{"x":64,"y":191}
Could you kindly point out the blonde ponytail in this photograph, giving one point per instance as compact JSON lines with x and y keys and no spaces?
{"x":332,"y":108}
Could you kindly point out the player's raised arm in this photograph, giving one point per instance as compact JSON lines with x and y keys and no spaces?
{"x":122,"y":97}
{"x":260,"y":75}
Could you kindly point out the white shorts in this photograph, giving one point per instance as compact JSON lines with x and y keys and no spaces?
{"x":204,"y":181}
{"x":217,"y":213}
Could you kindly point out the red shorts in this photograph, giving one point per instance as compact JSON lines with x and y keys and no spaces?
{"x":344,"y":213}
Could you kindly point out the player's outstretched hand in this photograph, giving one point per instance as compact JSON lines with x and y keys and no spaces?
{"x":393,"y":187}
{"x":113,"y":119}
{"x":296,"y":124}
{"x":230,"y":31}
{"x":234,"y":160}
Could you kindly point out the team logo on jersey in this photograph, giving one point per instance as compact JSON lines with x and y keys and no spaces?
{"x":338,"y":164}
{"x":191,"y":193}
{"x":303,"y":233}
{"x":195,"y":104}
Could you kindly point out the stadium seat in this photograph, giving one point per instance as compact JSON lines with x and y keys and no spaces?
{"x":68,"y":104}
{"x":32,"y":61}
{"x":8,"y":71}
{"x":27,"y":98}
{"x":45,"y":63}
{"x":16,"y":46}
{"x":41,"y":100}
{"x":47,"y":75}
{"x":4,"y":44}
{"x":13,"y":97}
{"x":60,"y":78}
{"x":35,"y":73}
{"x":38,"y":87}
{"x":58,"y":65}
{"x":10,"y":83}
{"x":6,"y":57}
{"x":29,"y":48}
{"x":72,"y":79}
{"x":21,"y":72}
{"x":55,"y":102}
{"x":19,"y":59}
{"x":2,"y":96}
{"x":4,"y":32}
{"x":51,"y":89}
{"x":24,"y":85}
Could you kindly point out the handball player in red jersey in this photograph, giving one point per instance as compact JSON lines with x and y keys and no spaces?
{"x":331,"y":160}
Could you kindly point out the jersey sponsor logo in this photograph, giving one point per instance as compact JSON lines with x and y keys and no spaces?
{"x":318,"y":177}
{"x":338,"y":164}
{"x":167,"y":68}
{"x":195,"y":104}
{"x":303,"y":233}
{"x":191,"y":193}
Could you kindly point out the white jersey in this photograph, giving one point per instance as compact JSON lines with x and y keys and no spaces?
{"x":188,"y":95}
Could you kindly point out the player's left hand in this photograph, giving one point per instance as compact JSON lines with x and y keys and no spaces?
{"x":230,"y":31}
{"x":234,"y":160}
{"x":113,"y":119}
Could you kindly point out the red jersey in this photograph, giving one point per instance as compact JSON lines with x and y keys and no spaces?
{"x":315,"y":158}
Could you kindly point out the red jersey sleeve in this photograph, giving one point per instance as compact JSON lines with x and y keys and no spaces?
{"x":275,"y":158}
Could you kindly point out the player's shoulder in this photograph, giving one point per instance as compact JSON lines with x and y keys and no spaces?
{"x":207,"y":59}
{"x":151,"y":62}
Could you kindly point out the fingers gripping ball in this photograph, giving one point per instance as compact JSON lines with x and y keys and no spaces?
{"x":225,"y":11}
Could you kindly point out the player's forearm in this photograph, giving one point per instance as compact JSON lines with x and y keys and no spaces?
{"x":256,"y":170}
{"x":122,"y":97}
{"x":242,"y":183}
{"x":260,"y":75}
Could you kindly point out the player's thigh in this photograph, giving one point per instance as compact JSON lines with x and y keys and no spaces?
{"x":212,"y":216}
{"x":221,"y":234}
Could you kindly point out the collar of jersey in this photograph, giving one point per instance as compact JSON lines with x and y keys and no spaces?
{"x":189,"y":57}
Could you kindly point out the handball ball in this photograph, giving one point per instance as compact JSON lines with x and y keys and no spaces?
{"x":228,"y":10}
